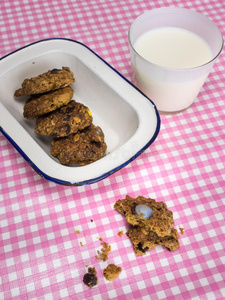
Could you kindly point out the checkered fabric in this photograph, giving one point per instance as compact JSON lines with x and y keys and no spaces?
{"x":49,"y":233}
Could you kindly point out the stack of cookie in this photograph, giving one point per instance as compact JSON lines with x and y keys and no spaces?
{"x":151,"y":224}
{"x":75,"y":139}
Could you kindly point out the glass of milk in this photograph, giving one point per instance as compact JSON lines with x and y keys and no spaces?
{"x":172,"y":53}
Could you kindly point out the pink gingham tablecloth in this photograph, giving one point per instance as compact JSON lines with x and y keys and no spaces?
{"x":49,"y":233}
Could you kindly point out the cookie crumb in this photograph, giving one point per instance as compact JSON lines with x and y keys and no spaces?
{"x":103,"y":253}
{"x":90,"y":278}
{"x":181,"y":230}
{"x":91,"y":270}
{"x":111,"y":272}
{"x":77,"y":231}
{"x":120,"y":233}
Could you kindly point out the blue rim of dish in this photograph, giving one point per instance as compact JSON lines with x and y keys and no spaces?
{"x":103,"y":176}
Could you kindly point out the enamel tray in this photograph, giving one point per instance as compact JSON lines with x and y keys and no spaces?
{"x":129,"y":120}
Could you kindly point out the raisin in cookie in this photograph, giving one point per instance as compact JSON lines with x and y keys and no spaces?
{"x":143,"y":242}
{"x":159,"y":221}
{"x":41,"y":104}
{"x":51,"y":80}
{"x":81,"y":148}
{"x":66,"y":120}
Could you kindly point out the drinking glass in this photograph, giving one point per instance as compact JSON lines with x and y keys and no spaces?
{"x":171,"y":89}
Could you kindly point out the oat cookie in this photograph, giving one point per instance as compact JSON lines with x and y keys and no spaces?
{"x":66,"y":120}
{"x":81,"y":148}
{"x":111,"y":272}
{"x":41,"y":104}
{"x":161,"y":222}
{"x":51,"y":80}
{"x":144,"y":242}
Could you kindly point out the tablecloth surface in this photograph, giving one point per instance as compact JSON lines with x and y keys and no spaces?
{"x":50,"y":233}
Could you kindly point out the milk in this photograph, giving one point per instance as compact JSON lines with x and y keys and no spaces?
{"x":177,"y":49}
{"x":173,"y":48}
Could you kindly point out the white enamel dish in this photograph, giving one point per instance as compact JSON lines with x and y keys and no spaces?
{"x":129,"y":120}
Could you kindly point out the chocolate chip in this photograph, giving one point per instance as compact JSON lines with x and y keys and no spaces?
{"x":63,"y":129}
{"x":54,"y":71}
{"x":69,"y":109}
{"x":67,"y":128}
{"x":90,"y":279}
{"x":140,"y":247}
{"x":97,"y":144}
{"x":67,"y":118}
